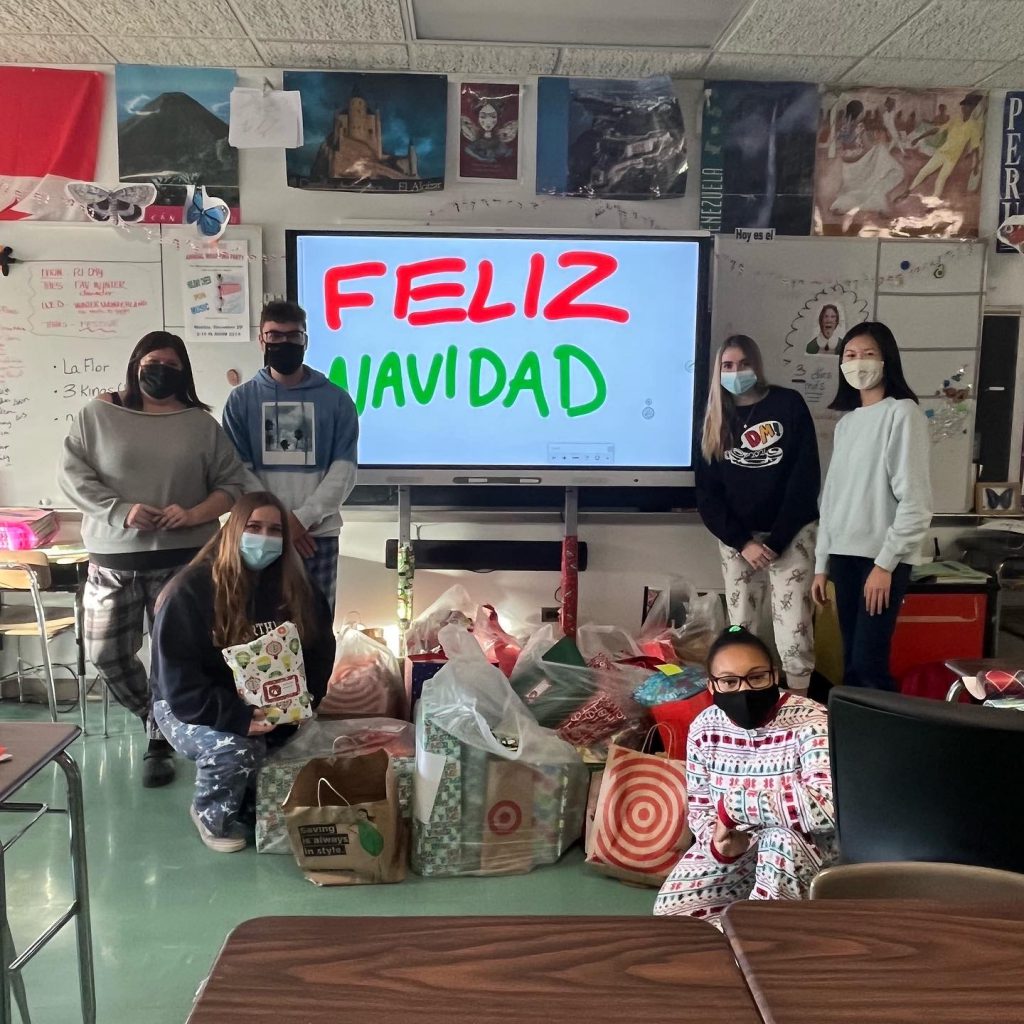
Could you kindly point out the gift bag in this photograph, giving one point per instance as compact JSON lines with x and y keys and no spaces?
{"x":344,"y":822}
{"x":639,"y":830}
{"x":365,"y":680}
{"x":270,"y":674}
{"x":685,"y":642}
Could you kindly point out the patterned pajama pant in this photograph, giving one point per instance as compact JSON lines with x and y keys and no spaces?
{"x":322,"y":567}
{"x":117,"y":604}
{"x":778,"y":865}
{"x":226,"y":767}
{"x":789,"y":580}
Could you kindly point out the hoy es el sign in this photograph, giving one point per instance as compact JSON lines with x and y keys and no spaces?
{"x":409,"y":378}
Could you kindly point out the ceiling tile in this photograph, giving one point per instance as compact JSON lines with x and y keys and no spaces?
{"x":37,"y":16}
{"x":1009,"y":77}
{"x":343,"y":56}
{"x":581,"y":22}
{"x":210,"y":53}
{"x":156,"y":17}
{"x":853,"y":27}
{"x":371,"y":21}
{"x":776,"y":67}
{"x":44,"y":49}
{"x":612,"y":62}
{"x":971,"y":29}
{"x":918,"y":74}
{"x":483,"y":60}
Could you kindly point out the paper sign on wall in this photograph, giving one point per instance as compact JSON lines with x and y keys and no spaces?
{"x":216,"y":291}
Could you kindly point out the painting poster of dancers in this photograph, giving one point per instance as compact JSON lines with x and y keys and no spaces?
{"x":898,"y":162}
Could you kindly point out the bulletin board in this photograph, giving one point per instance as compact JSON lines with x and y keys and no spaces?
{"x":71,"y":311}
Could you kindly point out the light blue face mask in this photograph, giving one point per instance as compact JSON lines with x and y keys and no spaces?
{"x":738,"y":382}
{"x":259,"y":551}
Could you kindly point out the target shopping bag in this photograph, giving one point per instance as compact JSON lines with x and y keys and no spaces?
{"x":639,"y":830}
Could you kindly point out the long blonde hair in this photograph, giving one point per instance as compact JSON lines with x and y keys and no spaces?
{"x":718,"y":436}
{"x":233,"y":582}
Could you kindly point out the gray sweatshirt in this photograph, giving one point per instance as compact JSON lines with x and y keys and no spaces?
{"x":115,"y":457}
{"x":877,"y":501}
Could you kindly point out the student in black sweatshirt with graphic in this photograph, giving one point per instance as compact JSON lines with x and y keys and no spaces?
{"x":757,"y":491}
{"x":245,"y":582}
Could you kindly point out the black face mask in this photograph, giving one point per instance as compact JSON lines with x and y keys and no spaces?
{"x":748,"y":708}
{"x":285,"y":357}
{"x":160,"y":381}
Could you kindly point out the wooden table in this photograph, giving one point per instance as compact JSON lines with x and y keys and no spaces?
{"x":33,"y":746}
{"x":890,"y":961}
{"x":468,"y":970}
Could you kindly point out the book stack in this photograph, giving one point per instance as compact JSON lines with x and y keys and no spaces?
{"x":24,"y":528}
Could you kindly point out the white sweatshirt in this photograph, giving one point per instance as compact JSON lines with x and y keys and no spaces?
{"x":877,"y":501}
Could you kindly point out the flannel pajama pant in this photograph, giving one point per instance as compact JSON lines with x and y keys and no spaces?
{"x":117,"y":604}
{"x":322,"y":567}
{"x":778,"y":865}
{"x":226,"y":766}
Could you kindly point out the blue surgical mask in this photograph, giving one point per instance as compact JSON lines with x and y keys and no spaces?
{"x":738,"y":382}
{"x":259,"y":551}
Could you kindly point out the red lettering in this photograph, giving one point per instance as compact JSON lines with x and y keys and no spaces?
{"x":335,"y":301}
{"x":405,"y":293}
{"x":533,"y":283}
{"x":564,"y":306}
{"x":753,"y":439}
{"x":479,"y":311}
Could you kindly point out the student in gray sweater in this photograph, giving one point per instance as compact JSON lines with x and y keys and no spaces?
{"x":152,"y":472}
{"x":877,"y":504}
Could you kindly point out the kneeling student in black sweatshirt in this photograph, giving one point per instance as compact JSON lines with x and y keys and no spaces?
{"x":758,"y":479}
{"x":245,"y":582}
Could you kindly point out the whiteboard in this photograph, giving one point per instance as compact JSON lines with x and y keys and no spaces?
{"x":71,"y":311}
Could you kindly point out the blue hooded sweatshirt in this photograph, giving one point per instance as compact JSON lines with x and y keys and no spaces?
{"x":300,"y":443}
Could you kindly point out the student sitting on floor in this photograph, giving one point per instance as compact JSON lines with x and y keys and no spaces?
{"x":244,"y":583}
{"x":759,"y":785}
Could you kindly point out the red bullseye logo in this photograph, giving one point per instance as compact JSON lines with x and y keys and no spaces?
{"x":504,"y":817}
{"x":643,"y":815}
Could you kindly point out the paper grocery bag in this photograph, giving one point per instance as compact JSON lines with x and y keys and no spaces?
{"x":344,"y":821}
{"x":507,"y":835}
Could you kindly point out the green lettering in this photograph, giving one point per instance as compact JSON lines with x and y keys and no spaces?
{"x":565,"y":353}
{"x":451,"y":362}
{"x":477,"y":357}
{"x":527,"y":378}
{"x":389,"y":376}
{"x":338,"y":374}
{"x":423,"y":393}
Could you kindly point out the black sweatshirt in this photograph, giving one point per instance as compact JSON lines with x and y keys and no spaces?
{"x":189,"y":671}
{"x":769,"y":482}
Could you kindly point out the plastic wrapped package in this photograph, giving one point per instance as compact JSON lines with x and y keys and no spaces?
{"x":454,"y":606}
{"x":685,"y":643}
{"x":494,"y":793}
{"x":500,"y":647}
{"x":365,"y":679}
{"x":328,"y":738}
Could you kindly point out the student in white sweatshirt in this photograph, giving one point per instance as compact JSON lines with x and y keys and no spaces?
{"x":877,"y":504}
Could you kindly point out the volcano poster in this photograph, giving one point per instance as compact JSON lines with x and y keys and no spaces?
{"x":172,"y":130}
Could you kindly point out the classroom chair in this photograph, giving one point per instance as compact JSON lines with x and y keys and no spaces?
{"x":29,"y":572}
{"x":917,"y":880}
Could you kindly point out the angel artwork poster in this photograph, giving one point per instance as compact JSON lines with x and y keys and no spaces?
{"x":488,"y":131}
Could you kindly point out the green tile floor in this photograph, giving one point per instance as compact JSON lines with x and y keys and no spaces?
{"x":162,"y":903}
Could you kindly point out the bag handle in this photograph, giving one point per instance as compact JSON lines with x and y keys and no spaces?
{"x":324,"y":782}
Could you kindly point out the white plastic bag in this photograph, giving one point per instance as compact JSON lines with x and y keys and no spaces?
{"x":453,"y":606}
{"x":365,"y":680}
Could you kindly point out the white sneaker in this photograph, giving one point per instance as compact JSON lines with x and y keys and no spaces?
{"x":220,"y":844}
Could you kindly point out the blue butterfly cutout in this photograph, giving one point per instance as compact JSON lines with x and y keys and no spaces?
{"x":211,"y":216}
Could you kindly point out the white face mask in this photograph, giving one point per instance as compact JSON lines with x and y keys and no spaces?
{"x":738,"y":382}
{"x":863,"y":374}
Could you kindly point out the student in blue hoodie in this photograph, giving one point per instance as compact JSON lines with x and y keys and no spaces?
{"x":297,"y":432}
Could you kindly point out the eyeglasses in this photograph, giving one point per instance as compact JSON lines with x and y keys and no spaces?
{"x":284,"y":338}
{"x":759,"y":679}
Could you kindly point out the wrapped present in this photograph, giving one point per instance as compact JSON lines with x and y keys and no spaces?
{"x":437,"y":800}
{"x":273,"y":784}
{"x":671,"y":682}
{"x":365,"y":679}
{"x":270,"y":674}
{"x":419,"y":668}
{"x":595,"y":721}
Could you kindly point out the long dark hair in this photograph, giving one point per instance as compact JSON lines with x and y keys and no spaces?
{"x":150,"y":343}
{"x":896,"y":386}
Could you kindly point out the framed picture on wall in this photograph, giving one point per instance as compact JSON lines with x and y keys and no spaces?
{"x":997,"y":499}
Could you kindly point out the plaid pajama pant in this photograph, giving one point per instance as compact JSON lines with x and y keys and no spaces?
{"x":322,"y":567}
{"x":117,"y":603}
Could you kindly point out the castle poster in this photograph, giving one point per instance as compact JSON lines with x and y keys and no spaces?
{"x":172,"y":130}
{"x":369,"y":132}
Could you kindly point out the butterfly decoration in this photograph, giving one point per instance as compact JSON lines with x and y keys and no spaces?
{"x":6,"y":259}
{"x":998,"y":499}
{"x":124,"y":205}
{"x":209,"y":215}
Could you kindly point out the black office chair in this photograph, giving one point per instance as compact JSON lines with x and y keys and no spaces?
{"x":922,"y":780}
